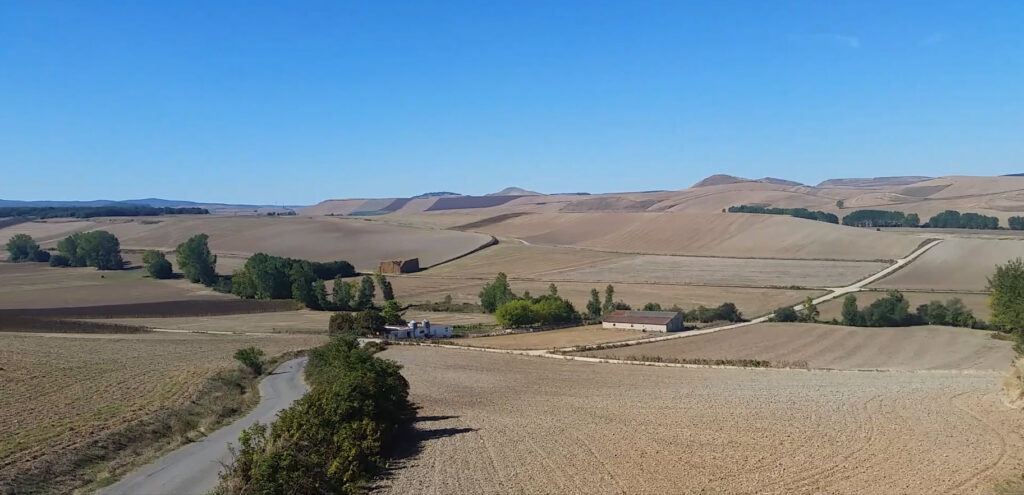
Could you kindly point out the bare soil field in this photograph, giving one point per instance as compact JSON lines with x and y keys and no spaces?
{"x":522,"y":261}
{"x":360,"y":242}
{"x":492,"y":423}
{"x":751,"y":301}
{"x":35,"y":285}
{"x":837,"y":347}
{"x":304,"y":321}
{"x":556,"y":339}
{"x":59,"y":390}
{"x":977,"y":303}
{"x":691,"y":270}
{"x":706,"y":234}
{"x":955,"y":264}
{"x":44,"y":231}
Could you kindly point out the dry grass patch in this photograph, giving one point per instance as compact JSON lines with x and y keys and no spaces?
{"x":833,"y":346}
{"x":64,"y":390}
{"x":555,"y":339}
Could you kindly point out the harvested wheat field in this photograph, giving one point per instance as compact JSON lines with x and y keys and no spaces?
{"x":556,"y":339}
{"x":45,"y":231}
{"x":283,"y":321}
{"x":837,"y":347}
{"x":955,"y":264}
{"x":706,"y":234}
{"x":974,"y":301}
{"x":35,"y":285}
{"x":494,"y":423}
{"x":57,"y":390}
{"x":750,"y":300}
{"x":362,"y":243}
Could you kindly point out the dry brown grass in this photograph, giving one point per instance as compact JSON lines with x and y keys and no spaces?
{"x":62,"y":390}
{"x":833,"y":346}
{"x":494,"y":423}
{"x":556,"y":339}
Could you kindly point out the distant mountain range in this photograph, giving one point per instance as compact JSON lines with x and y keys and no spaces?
{"x":154,"y":202}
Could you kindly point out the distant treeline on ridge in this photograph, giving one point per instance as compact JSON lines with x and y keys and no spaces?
{"x":949,"y":219}
{"x":96,"y":211}
{"x":820,"y":216}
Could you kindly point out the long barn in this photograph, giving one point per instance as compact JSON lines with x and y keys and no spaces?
{"x":648,"y":321}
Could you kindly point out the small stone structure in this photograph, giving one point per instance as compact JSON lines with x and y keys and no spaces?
{"x":409,"y":265}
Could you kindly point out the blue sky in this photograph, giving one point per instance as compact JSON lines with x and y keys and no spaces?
{"x":295,"y":102}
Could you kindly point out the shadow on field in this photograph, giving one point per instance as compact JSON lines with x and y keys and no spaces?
{"x":412,"y":440}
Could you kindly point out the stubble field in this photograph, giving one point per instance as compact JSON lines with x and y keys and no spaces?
{"x":61,"y":390}
{"x":556,"y":339}
{"x":955,"y":264}
{"x":494,"y":423}
{"x":837,"y":347}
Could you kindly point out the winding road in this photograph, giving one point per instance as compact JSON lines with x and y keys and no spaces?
{"x":195,"y":468}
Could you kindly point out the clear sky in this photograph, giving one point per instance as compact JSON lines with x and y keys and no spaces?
{"x":295,"y":102}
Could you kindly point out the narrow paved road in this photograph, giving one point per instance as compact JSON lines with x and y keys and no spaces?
{"x":194,"y":468}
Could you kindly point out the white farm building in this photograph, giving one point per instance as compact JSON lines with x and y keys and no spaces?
{"x":417,"y":330}
{"x":648,"y":321}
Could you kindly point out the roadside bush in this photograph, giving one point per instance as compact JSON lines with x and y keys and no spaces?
{"x":334,"y":438}
{"x":785,"y":314}
{"x":59,"y":260}
{"x":251,"y":358}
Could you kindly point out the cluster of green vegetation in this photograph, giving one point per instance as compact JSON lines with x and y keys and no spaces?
{"x":880,"y":218}
{"x":893,"y":310}
{"x":266,"y":276}
{"x":952,"y":219}
{"x":99,"y":249}
{"x":335,"y":438}
{"x":820,"y":216}
{"x":95,"y":211}
{"x":1007,"y":300}
{"x":157,"y":265}
{"x":548,"y":309}
{"x":1015,"y":223}
{"x":447,"y":305}
{"x":22,"y":247}
{"x":808,"y":313}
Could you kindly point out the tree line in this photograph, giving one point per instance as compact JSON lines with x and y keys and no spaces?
{"x":43,"y":212}
{"x":820,"y":216}
{"x":880,"y":218}
{"x":893,"y":310}
{"x":333,"y":439}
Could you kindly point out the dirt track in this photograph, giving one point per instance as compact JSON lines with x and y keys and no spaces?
{"x":830,"y":346}
{"x":511,"y":424}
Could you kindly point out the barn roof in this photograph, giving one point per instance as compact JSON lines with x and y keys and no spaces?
{"x":641,"y":317}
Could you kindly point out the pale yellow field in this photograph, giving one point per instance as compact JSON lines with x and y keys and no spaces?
{"x":556,"y":339}
{"x":977,"y":303}
{"x":706,"y":234}
{"x":64,"y":389}
{"x":494,"y":423}
{"x":955,"y":264}
{"x":834,"y":346}
{"x":44,"y":232}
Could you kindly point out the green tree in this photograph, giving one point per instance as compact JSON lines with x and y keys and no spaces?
{"x":652,"y":306}
{"x":386,"y":291}
{"x":59,"y":260}
{"x":851,"y":314}
{"x":515,"y":314}
{"x":1007,"y":296}
{"x":252,"y":358}
{"x":342,"y":323}
{"x":369,"y":321}
{"x":893,"y":310}
{"x":157,"y":265}
{"x":594,"y":305}
{"x":320,"y":295}
{"x":810,"y":311}
{"x":392,"y":313}
{"x":99,"y":249}
{"x":552,"y":290}
{"x":785,"y":314}
{"x":343,"y":293}
{"x":364,"y":298}
{"x":196,"y":261}
{"x":553,"y":309}
{"x":496,"y":293}
{"x":68,"y":247}
{"x":22,"y":247}
{"x":609,"y":299}
{"x":302,"y":278}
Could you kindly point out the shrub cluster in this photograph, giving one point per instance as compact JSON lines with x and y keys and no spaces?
{"x":893,"y":310}
{"x":334,"y":438}
{"x":266,"y":276}
{"x":544,"y":310}
{"x":1015,"y":223}
{"x":157,"y":265}
{"x":22,"y":247}
{"x":820,"y":216}
{"x":724,"y":312}
{"x":98,"y":248}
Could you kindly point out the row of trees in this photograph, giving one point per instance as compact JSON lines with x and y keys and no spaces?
{"x":820,"y":216}
{"x":880,"y":218}
{"x":332,"y":440}
{"x":952,"y":219}
{"x":95,"y":211}
{"x":99,"y":249}
{"x":266,"y":276}
{"x":893,"y":310}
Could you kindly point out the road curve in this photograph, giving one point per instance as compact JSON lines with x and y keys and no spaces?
{"x":194,"y":468}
